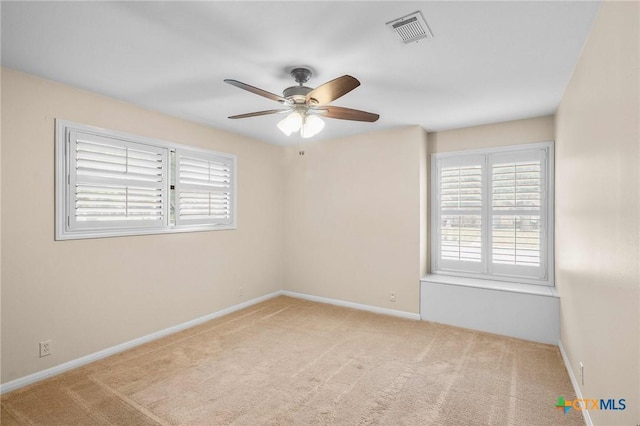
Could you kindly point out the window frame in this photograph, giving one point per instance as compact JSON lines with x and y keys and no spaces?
{"x":64,"y":180}
{"x":486,"y":269}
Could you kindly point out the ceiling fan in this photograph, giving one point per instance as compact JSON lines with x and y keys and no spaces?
{"x":306,"y":105}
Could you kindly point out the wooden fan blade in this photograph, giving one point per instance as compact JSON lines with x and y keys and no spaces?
{"x":348,"y":114}
{"x":258,"y":113}
{"x":332,"y":90}
{"x":255,"y":90}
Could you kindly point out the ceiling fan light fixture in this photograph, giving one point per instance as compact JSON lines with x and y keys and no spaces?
{"x":291,"y":123}
{"x":304,"y":103}
{"x":312,"y":126}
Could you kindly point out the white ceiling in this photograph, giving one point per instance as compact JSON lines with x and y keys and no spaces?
{"x":488,"y":61}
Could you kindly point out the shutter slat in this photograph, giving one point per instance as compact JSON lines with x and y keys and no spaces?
{"x":111,"y":148}
{"x":86,"y":175}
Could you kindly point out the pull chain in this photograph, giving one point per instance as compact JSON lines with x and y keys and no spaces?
{"x":300,"y":150}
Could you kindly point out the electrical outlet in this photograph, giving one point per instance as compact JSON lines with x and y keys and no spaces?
{"x":45,"y":348}
{"x":241,"y":292}
{"x":581,"y":373}
{"x":392,"y":296}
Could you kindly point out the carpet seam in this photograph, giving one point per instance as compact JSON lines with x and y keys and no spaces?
{"x":78,"y":400}
{"x":130,"y":402}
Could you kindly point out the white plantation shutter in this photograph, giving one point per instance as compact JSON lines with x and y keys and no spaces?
{"x":518,"y":213}
{"x":204,"y":188}
{"x":491,"y":214}
{"x":115,"y":183}
{"x":111,"y":184}
{"x":460,"y":214}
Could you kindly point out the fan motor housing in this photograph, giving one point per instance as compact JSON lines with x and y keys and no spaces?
{"x":296,"y":92}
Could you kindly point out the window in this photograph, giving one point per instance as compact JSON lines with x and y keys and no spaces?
{"x":492,"y":213}
{"x":113,"y":184}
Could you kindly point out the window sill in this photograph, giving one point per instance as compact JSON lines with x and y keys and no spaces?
{"x":511,"y":287}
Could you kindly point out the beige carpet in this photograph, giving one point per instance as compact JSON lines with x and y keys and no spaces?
{"x":287,"y":361}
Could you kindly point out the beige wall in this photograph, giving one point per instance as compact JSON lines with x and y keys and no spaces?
{"x":597,"y":214}
{"x":87,"y":295}
{"x":353,"y":218}
{"x":356,"y":209}
{"x":540,"y":129}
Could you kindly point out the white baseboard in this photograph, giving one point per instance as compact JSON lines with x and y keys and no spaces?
{"x":574,"y":382}
{"x":359,"y":306}
{"x":53,"y":371}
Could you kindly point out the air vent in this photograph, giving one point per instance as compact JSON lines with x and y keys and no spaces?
{"x":411,"y":28}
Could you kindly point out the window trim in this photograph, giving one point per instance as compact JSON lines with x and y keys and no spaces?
{"x":547,"y":258}
{"x":63,"y":130}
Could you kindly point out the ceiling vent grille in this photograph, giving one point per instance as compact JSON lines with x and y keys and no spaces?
{"x":411,"y":28}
